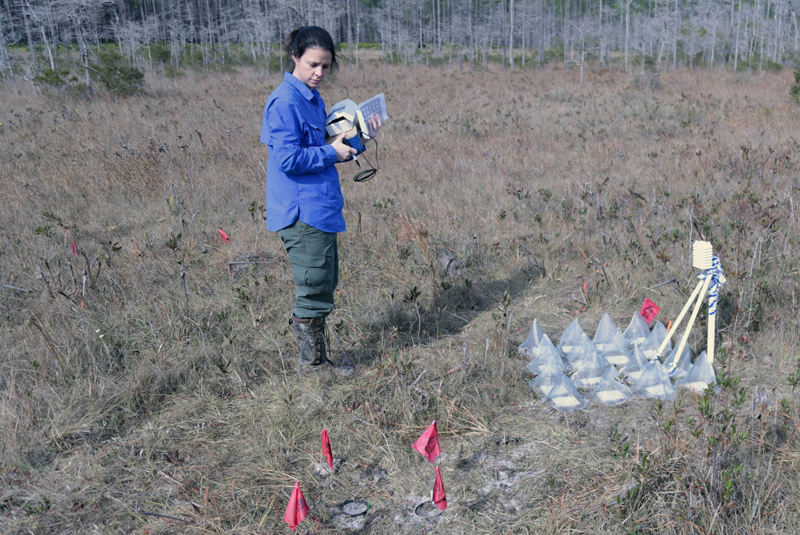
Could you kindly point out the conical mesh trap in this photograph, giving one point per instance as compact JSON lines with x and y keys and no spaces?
{"x":579,"y":352}
{"x":570,"y":337}
{"x":528,"y":347}
{"x":565,"y":397}
{"x":615,"y":349}
{"x":590,"y":370}
{"x":654,"y":340}
{"x":701,"y":376}
{"x":609,"y":390}
{"x":637,"y":331}
{"x":546,"y":355}
{"x":654,"y":383}
{"x":678,"y":367}
{"x":547,"y":378}
{"x":605,"y":329}
{"x":636,"y":365}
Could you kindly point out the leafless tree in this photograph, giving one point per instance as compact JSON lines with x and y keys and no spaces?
{"x":627,"y":28}
{"x":43,"y":18}
{"x":83,"y":15}
{"x":8,"y":34}
{"x":130,"y":38}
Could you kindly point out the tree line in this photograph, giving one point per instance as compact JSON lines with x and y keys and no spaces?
{"x":751,"y":34}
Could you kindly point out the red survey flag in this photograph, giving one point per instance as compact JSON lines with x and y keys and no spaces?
{"x":428,"y":443}
{"x":224,"y":236}
{"x":649,"y":310}
{"x":297,"y":509}
{"x":74,"y":249}
{"x":326,"y":447}
{"x":439,"y":499}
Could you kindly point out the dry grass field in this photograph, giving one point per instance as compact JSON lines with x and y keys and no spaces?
{"x":148,"y":377}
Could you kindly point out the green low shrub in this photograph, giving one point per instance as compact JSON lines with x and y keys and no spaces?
{"x":794,"y":91}
{"x":118,"y":77}
{"x":54,"y":78}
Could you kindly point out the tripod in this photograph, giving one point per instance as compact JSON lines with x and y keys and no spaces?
{"x":711,"y":279}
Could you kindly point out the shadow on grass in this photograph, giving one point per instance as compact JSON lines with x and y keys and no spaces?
{"x":406,"y":321}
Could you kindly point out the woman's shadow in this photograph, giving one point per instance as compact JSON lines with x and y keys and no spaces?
{"x":450,"y":300}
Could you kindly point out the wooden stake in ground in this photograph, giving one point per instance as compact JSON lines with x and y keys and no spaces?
{"x":717,"y":280}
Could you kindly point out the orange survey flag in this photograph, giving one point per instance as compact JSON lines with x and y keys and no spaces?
{"x":428,"y":443}
{"x":326,"y":447}
{"x":297,"y":509}
{"x":649,"y":310}
{"x":439,"y":499}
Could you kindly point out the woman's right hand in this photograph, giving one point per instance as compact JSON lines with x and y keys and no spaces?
{"x":343,"y":151}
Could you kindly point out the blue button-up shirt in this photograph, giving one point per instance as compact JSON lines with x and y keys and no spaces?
{"x":302,"y":180}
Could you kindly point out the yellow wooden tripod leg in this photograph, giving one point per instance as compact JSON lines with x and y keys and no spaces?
{"x":677,"y":322}
{"x":691,"y":320}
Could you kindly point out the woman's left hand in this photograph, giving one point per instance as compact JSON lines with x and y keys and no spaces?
{"x":374,"y":123}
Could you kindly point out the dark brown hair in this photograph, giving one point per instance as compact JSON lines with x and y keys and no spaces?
{"x":301,"y":39}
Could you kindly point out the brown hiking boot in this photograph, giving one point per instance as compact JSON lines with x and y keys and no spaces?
{"x":309,"y":333}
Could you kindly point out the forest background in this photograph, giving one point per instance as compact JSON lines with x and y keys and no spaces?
{"x":747,"y":35}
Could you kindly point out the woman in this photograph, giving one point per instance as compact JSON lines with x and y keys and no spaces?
{"x":304,"y":198}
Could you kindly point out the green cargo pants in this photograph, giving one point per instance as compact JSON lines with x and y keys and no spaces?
{"x":315,"y":267}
